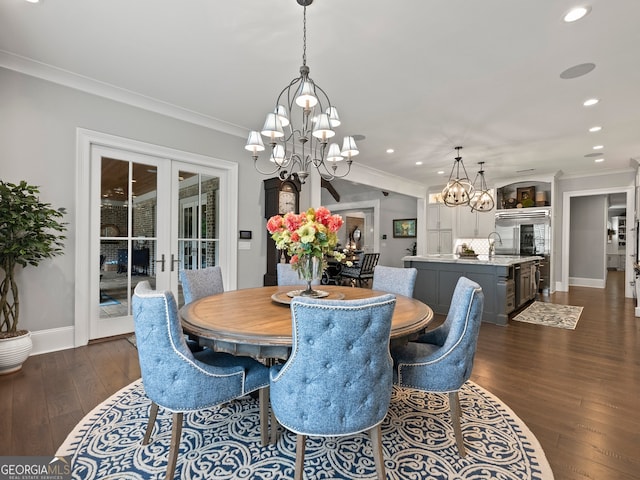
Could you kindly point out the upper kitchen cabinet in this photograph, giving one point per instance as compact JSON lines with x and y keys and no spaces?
{"x":524,"y":194}
{"x":472,"y":224}
{"x":439,"y":226}
{"x":439,"y":216}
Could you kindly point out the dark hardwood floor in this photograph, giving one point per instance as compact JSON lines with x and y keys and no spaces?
{"x":577,"y":390}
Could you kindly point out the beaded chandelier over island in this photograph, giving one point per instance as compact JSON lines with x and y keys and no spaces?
{"x":300,"y":127}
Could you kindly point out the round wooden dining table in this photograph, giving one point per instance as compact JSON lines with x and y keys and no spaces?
{"x":257,"y":321}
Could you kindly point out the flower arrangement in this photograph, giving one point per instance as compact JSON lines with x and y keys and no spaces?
{"x":308,"y":234}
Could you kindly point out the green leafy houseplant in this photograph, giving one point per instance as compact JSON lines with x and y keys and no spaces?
{"x":30,"y":231}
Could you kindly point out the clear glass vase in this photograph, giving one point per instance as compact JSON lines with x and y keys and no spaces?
{"x":309,"y":269}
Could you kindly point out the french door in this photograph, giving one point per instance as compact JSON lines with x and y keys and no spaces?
{"x":152,"y":217}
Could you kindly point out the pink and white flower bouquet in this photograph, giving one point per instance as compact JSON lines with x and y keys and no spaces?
{"x":306,"y":235}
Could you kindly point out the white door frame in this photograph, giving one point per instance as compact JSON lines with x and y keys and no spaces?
{"x":84,"y":266}
{"x":563,"y":286}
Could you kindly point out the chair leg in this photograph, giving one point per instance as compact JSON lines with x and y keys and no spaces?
{"x":264,"y":415}
{"x":176,"y":432}
{"x":153,"y":413}
{"x":274,"y":427}
{"x":454,"y":405}
{"x":300,"y":446}
{"x":376,"y":440}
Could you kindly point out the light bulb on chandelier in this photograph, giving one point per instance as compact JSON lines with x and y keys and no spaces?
{"x":294,"y":149}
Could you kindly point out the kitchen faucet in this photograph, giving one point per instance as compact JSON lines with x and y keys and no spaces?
{"x":492,"y":246}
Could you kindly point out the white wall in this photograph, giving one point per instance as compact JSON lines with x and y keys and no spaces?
{"x":38,"y":121}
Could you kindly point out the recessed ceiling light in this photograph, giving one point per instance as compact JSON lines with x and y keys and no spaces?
{"x":599,"y":160}
{"x":597,"y":128}
{"x":440,"y":172}
{"x":598,"y":147}
{"x":590,"y":102}
{"x":34,"y":1}
{"x":390,"y":150}
{"x":418,"y":163}
{"x":576,"y":13}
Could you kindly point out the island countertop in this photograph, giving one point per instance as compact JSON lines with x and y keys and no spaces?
{"x":497,"y":260}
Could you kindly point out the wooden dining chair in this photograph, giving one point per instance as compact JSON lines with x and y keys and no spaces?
{"x":363,"y":272}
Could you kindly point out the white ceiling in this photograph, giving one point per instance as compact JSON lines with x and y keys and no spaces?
{"x":419,"y":76}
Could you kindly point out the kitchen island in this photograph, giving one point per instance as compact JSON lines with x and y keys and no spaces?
{"x":508,"y":282}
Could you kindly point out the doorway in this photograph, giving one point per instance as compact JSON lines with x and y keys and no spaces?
{"x":151,"y":212}
{"x":630,"y":247}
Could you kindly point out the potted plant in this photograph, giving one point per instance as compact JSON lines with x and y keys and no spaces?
{"x":30,"y":231}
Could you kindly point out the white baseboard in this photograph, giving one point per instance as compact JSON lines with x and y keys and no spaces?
{"x":52,"y":340}
{"x":561,"y":287}
{"x":587,"y":282}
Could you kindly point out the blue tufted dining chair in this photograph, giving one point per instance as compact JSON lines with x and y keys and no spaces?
{"x":288,"y":276}
{"x":201,"y":283}
{"x":338,"y":379}
{"x":400,"y":281}
{"x":181,"y":381}
{"x":441,"y":360}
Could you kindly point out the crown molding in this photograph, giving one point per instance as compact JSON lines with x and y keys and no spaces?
{"x":69,"y":79}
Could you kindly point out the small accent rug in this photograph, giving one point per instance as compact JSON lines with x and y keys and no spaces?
{"x":551,"y":315}
{"x":106,"y":300}
{"x":224,"y":443}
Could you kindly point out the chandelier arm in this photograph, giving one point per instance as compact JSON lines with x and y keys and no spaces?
{"x":326,"y":97}
{"x":275,"y":170}
{"x":288,"y":89}
{"x":332,"y":175}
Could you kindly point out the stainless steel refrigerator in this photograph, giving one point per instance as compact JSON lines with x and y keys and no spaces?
{"x":526,"y":232}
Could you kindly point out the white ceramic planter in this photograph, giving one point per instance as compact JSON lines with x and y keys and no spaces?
{"x":13,"y":352}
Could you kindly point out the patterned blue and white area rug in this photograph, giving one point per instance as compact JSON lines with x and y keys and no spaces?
{"x":224,"y":443}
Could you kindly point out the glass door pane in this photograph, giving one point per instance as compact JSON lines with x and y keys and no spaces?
{"x":198,"y":200}
{"x":128,"y":241}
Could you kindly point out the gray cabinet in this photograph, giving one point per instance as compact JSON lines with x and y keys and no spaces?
{"x":525,"y":282}
{"x":504,"y":290}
